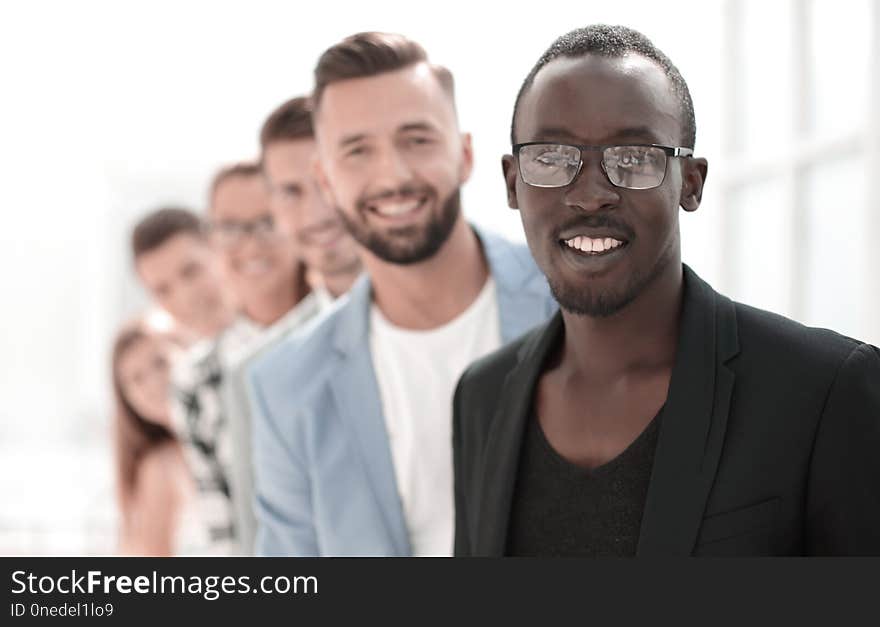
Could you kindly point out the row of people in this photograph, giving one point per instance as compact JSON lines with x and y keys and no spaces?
{"x":268,"y":255}
{"x":585,"y":395}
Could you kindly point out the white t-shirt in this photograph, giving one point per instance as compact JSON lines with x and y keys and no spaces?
{"x":417,"y":372}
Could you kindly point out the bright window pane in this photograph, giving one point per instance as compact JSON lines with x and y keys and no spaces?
{"x":761,"y":252}
{"x":765,"y":75}
{"x":839,"y":56}
{"x":836,"y":242}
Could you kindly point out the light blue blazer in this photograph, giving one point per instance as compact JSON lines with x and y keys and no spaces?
{"x":325,"y":482}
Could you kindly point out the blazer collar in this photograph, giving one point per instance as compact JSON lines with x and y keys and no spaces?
{"x":523,"y":296}
{"x":353,"y":311}
{"x":356,"y":394}
{"x":522,"y":292}
{"x":690,"y":439}
{"x":504,"y":441}
{"x":521,"y":304}
{"x":694,"y":422}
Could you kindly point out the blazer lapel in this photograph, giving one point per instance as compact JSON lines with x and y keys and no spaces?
{"x":357,"y":396}
{"x":505,"y":439}
{"x":524,"y":298}
{"x":520,"y":310}
{"x":693,"y":424}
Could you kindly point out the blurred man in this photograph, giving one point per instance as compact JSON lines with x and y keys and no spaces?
{"x":262,"y":267}
{"x":327,"y":250}
{"x":177,"y":265}
{"x":652,"y":415}
{"x":353,"y":421}
{"x":288,"y":159}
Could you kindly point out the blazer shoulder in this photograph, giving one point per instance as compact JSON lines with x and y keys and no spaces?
{"x":766,"y":333}
{"x":297,"y":361}
{"x":520,"y":252}
{"x":507,"y":256}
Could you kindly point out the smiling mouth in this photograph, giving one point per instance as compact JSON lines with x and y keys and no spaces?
{"x":593,"y":246}
{"x":396,"y":207}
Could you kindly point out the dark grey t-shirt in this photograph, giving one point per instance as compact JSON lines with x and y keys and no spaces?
{"x":560,"y":509}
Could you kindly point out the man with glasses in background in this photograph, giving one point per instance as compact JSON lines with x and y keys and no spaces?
{"x":652,"y":415}
{"x":262,"y":268}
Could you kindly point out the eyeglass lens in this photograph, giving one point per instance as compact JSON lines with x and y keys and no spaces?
{"x":556,"y":165}
{"x":232,"y":232}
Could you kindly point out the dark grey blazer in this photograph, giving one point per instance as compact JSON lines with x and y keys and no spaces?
{"x":769,"y":444}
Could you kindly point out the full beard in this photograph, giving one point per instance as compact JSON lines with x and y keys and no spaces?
{"x":407,"y":244}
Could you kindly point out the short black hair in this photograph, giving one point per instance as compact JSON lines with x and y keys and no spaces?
{"x":615,"y":41}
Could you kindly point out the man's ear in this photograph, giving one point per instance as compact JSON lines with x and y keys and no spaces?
{"x":693,"y":178}
{"x":508,"y":168}
{"x":467,"y":160}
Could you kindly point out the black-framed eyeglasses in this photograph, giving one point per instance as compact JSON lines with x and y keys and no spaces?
{"x":233,"y":232}
{"x":634,"y":166}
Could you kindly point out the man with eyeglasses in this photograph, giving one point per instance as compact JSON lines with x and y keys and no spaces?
{"x":652,"y":415}
{"x":262,"y":267}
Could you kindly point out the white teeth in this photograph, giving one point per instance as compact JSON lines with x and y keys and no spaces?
{"x":396,"y":208}
{"x":593,"y":245}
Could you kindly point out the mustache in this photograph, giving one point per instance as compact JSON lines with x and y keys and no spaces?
{"x":404,"y":192}
{"x":597,"y":221}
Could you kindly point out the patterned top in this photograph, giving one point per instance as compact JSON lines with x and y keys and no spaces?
{"x":199,"y":382}
{"x":201,"y":421}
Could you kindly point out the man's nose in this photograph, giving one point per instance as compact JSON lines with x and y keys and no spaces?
{"x":391,"y":169}
{"x":591,"y":191}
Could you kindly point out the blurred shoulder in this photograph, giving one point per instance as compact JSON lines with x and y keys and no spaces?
{"x":162,"y":472}
{"x":300,"y":358}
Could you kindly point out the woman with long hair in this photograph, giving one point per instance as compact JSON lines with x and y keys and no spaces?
{"x":153,"y":483}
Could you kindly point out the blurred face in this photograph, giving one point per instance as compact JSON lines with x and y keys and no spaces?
{"x":601,"y":245}
{"x":392,"y":161}
{"x":257,"y":257}
{"x":143,"y":373}
{"x":184,"y":277}
{"x":302,"y":213}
